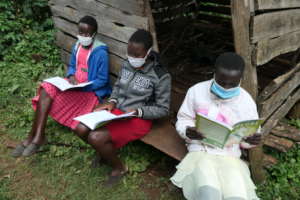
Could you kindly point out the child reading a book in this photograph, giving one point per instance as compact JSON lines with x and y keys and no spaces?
{"x":209,"y":172}
{"x":89,"y":62}
{"x":143,"y":87}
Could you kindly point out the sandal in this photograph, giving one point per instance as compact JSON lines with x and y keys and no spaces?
{"x":18,"y":151}
{"x":31,"y":149}
{"x":114,"y":180}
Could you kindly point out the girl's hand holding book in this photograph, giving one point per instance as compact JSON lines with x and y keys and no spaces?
{"x":72,"y":80}
{"x":107,"y":106}
{"x":193,"y":134}
{"x":254,"y":139}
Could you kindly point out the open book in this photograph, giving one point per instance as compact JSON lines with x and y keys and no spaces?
{"x":96,"y":119}
{"x":219,"y":134}
{"x":63,"y":84}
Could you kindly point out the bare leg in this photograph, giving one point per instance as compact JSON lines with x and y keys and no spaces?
{"x":37,"y":134}
{"x":82,"y":132}
{"x":100,"y":139}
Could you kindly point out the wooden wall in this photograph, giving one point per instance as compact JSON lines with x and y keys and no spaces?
{"x":275,"y":31}
{"x":117,"y":20}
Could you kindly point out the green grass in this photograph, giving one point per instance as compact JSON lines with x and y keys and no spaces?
{"x":61,"y":171}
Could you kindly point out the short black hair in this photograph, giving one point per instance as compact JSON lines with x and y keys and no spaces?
{"x":230,"y":61}
{"x":143,"y":37}
{"x":90,"y":21}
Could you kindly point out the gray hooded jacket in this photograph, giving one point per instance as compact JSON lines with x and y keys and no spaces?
{"x":147,"y":90}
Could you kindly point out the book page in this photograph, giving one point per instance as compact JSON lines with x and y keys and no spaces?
{"x":246,"y":128}
{"x":92,"y":120}
{"x":63,"y":84}
{"x":243,"y":129}
{"x":216,"y":133}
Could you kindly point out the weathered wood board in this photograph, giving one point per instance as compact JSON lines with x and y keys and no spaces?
{"x":270,"y":48}
{"x":281,"y":111}
{"x":270,"y":105}
{"x":275,"y":24}
{"x":103,"y":12}
{"x":276,"y":4}
{"x":276,"y":83}
{"x":113,"y":30}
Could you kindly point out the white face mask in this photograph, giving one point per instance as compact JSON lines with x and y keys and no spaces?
{"x":138,"y":62}
{"x":85,"y":41}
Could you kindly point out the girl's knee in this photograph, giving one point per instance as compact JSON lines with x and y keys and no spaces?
{"x":98,"y":137}
{"x":81,"y":130}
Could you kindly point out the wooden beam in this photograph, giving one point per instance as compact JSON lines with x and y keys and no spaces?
{"x":241,"y":28}
{"x":135,"y":7}
{"x":103,"y":11}
{"x":225,"y":10}
{"x":287,"y":131}
{"x":277,"y":4}
{"x":109,"y":29}
{"x":270,"y":105}
{"x":151,"y":28}
{"x":269,"y":48}
{"x":269,"y":161}
{"x":275,"y":24}
{"x":278,"y":143}
{"x":164,"y":137}
{"x":281,"y":112}
{"x":275,"y":84}
{"x":241,"y":15}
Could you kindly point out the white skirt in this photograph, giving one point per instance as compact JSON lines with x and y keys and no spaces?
{"x":206,"y":176}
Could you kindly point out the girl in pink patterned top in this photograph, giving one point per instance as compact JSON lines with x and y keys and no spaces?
{"x":89,"y":62}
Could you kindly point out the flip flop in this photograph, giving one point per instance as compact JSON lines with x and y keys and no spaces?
{"x":18,"y":151}
{"x":31,"y":149}
{"x":114,"y":180}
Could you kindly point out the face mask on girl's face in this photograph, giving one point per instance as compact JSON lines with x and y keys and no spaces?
{"x":138,"y":62}
{"x":85,"y":41}
{"x":224,"y":93}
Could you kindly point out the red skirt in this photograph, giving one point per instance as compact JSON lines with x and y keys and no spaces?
{"x":68,"y":104}
{"x":124,"y":131}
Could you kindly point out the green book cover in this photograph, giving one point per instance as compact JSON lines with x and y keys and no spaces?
{"x":218,"y":134}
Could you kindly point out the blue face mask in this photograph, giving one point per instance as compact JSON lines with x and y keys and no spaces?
{"x":224,"y":93}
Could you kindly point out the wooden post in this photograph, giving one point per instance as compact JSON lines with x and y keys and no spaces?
{"x":242,"y":11}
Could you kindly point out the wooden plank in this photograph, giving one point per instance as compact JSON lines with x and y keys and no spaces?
{"x":277,"y":4}
{"x":109,"y":29}
{"x":221,"y":2}
{"x":270,"y":48}
{"x":64,"y":41}
{"x":241,"y":15}
{"x":135,"y":7}
{"x":105,"y":12}
{"x":286,"y":131}
{"x":270,"y":105}
{"x":151,"y":28}
{"x":278,"y":143}
{"x":275,"y":84}
{"x":225,"y":10}
{"x":269,"y":161}
{"x":275,"y":24}
{"x":116,"y":47}
{"x":65,"y":56}
{"x":281,"y":112}
{"x":115,"y":64}
{"x":164,"y":137}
